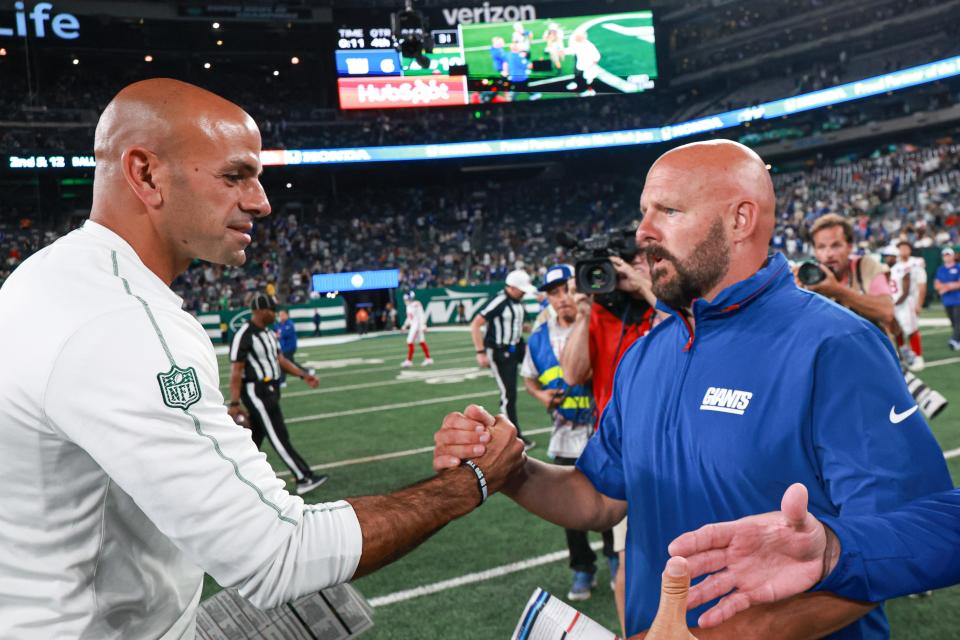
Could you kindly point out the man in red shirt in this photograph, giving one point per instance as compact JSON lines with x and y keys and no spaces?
{"x":604,"y":330}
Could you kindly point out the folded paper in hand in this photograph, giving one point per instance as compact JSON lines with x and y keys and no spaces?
{"x":548,"y":618}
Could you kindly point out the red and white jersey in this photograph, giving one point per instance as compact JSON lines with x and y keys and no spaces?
{"x":416,"y":316}
{"x":916,"y":267}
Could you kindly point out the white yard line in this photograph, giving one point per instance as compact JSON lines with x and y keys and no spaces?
{"x":940,"y":363}
{"x":471,"y":578}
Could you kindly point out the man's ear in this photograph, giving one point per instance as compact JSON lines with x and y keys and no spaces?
{"x":140,"y":167}
{"x":746,"y":215}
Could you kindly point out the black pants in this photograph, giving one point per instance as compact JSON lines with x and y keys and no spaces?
{"x":582,"y":557}
{"x":289,"y":356}
{"x":953,"y":312}
{"x":504,"y":365}
{"x":262,"y":400}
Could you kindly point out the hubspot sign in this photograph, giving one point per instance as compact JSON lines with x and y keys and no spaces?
{"x":63,"y":25}
{"x":383,"y":93}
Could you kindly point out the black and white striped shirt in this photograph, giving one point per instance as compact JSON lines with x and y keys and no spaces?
{"x":258,"y":349}
{"x":504,"y":317}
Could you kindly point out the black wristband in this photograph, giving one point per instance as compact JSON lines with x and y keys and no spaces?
{"x":481,"y":350}
{"x":234,"y":403}
{"x":481,"y":479}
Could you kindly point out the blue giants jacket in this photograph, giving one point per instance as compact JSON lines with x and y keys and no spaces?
{"x":776,"y":385}
{"x":577,"y":405}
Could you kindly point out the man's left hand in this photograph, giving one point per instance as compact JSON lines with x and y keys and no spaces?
{"x":757,"y":559}
{"x":312,"y":380}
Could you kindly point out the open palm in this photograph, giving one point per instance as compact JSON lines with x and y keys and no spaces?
{"x":757,"y":559}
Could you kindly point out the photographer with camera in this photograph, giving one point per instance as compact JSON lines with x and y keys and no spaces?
{"x":571,"y":411}
{"x":861,"y":284}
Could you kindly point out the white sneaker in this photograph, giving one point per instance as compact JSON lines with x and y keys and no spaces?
{"x":571,"y":86}
{"x":587,"y":93}
{"x":309,"y":484}
{"x":426,"y":362}
{"x":406,"y":364}
{"x":917,"y":365}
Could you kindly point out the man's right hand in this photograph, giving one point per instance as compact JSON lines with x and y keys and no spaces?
{"x":504,"y":454}
{"x":462,"y":436}
{"x":671,"y":620}
{"x":483,"y":361}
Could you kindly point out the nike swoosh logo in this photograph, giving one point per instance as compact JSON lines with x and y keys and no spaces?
{"x":897,"y":418}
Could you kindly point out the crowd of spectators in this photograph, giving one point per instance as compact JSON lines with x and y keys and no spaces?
{"x":471,"y":234}
{"x":901,"y":193}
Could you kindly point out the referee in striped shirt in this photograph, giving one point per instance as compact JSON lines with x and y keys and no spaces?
{"x":501,"y":347}
{"x":254,"y":378}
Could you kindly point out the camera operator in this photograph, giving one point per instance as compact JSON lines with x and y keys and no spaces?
{"x":859,"y":283}
{"x":606,"y":326}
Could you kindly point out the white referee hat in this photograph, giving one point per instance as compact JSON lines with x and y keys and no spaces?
{"x":520,"y":279}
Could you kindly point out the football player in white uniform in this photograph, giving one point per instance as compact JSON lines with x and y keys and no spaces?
{"x":908,"y":283}
{"x":416,"y":323}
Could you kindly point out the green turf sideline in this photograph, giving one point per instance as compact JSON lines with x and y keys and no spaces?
{"x":471,"y":578}
{"x":391,"y":455}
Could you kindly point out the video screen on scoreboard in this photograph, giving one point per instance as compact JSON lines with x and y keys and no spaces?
{"x":476,"y":60}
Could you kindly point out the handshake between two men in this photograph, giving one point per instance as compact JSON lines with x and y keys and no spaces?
{"x":754,"y":561}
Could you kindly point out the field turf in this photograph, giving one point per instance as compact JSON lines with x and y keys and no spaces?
{"x":368,"y":407}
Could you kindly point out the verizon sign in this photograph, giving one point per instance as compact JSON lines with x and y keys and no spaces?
{"x":384,"y":93}
{"x":488,"y":13}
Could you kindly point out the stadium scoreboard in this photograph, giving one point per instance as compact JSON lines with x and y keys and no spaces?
{"x":500,"y":53}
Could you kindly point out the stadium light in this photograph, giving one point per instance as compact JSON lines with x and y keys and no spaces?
{"x":216,"y":25}
{"x":76,"y":61}
{"x":276,"y":72}
{"x":207,"y":65}
{"x":148,"y":58}
{"x":289,"y":185}
{"x":219,"y":43}
{"x":3,"y":51}
{"x":294,"y":60}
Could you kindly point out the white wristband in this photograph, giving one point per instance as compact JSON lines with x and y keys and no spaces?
{"x":481,"y":479}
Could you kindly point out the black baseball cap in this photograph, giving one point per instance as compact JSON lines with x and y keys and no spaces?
{"x":263,"y":301}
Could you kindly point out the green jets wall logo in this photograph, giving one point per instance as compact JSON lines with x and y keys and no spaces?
{"x":179,"y":387}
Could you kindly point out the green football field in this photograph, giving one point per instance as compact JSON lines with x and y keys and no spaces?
{"x":370,"y":427}
{"x":625,"y":43}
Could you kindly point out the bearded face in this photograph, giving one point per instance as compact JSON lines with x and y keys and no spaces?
{"x":678,"y":282}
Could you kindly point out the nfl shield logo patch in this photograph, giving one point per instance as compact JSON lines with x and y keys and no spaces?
{"x":179,"y":387}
